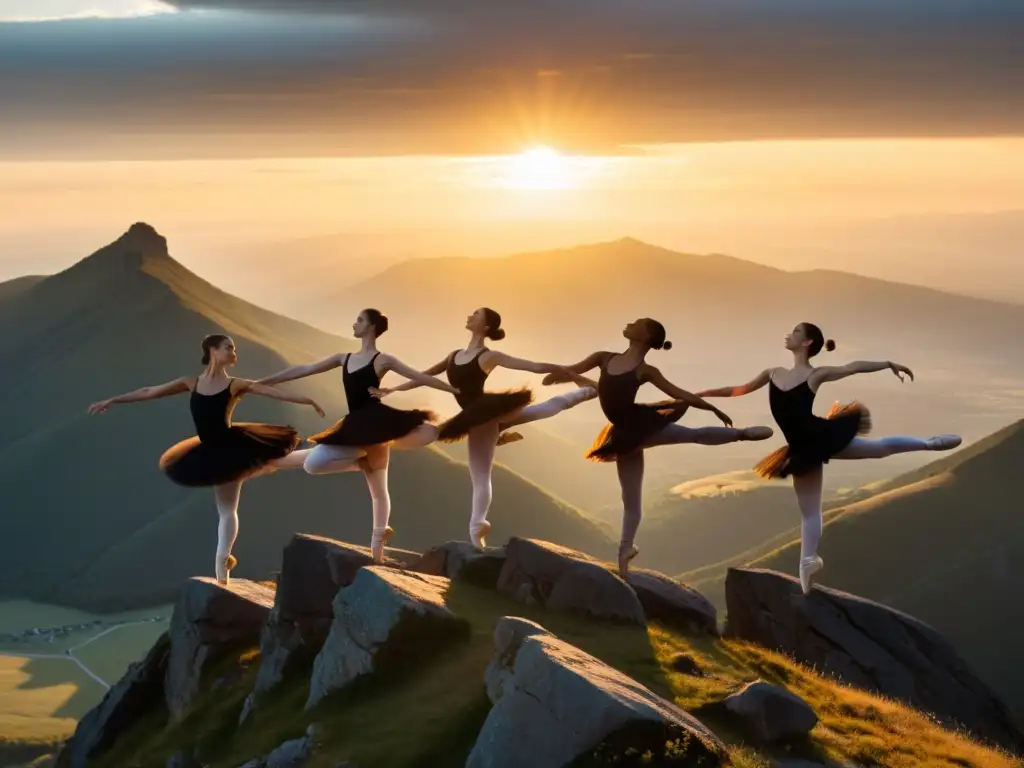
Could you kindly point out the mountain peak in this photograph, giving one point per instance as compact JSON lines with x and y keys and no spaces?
{"x":143,"y":237}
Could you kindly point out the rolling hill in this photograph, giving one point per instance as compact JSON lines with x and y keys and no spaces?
{"x":944,"y":543}
{"x":11,"y":288}
{"x":88,"y":519}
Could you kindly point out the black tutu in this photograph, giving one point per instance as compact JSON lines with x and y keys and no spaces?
{"x":824,"y":440}
{"x":372,"y":424}
{"x":239,"y":452}
{"x":646,"y":420}
{"x":487,"y":407}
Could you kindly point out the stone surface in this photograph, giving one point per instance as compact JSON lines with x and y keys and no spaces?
{"x":386,"y":619}
{"x":673,"y":603}
{"x":137,"y":692}
{"x":313,"y":569}
{"x":461,"y":560}
{"x":554,"y":704}
{"x":770,"y":713}
{"x":867,"y":645}
{"x":294,"y":753}
{"x":210,"y":621}
{"x":538,"y":572}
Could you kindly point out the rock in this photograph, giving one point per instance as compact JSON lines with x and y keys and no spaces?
{"x":867,"y":645}
{"x":683,"y":664}
{"x":673,"y":603}
{"x":183,"y":759}
{"x":136,"y":693}
{"x":557,"y":704}
{"x":385,"y":619}
{"x":566,"y":580}
{"x":770,"y":713}
{"x":461,"y":560}
{"x":313,"y":569}
{"x":294,"y":753}
{"x":210,"y":621}
{"x":508,"y":635}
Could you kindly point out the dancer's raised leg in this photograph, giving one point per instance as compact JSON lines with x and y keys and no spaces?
{"x":808,"y":496}
{"x":481,"y":441}
{"x":677,"y":434}
{"x":227,"y":496}
{"x":864,"y":448}
{"x":631,"y":481}
{"x":328,"y":459}
{"x":420,"y":437}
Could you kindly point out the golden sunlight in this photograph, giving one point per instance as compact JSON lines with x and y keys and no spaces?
{"x":539,"y":168}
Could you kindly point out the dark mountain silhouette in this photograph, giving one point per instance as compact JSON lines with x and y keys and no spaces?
{"x":11,"y":288}
{"x":87,"y":517}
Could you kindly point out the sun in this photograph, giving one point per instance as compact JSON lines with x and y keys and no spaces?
{"x":539,"y":168}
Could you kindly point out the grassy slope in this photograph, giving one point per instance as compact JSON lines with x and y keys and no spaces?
{"x":105,"y":525}
{"x":429,"y":716}
{"x":947,"y":541}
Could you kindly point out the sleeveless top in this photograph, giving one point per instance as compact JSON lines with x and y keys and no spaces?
{"x":792,"y":410}
{"x":467,"y":377}
{"x":616,"y":392}
{"x":211,"y":414}
{"x":357,"y":384}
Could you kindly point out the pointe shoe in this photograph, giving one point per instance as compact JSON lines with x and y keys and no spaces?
{"x":508,"y":437}
{"x":223,"y":569}
{"x":808,"y":568}
{"x":757,"y":433}
{"x":377,"y":542}
{"x":626,"y":556}
{"x":943,"y":442}
{"x":478,"y":534}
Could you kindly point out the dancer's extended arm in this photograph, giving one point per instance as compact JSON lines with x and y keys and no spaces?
{"x":392,"y":363}
{"x":302,"y":371}
{"x":245,"y":386}
{"x":563,"y":372}
{"x":588,"y":363}
{"x":651,"y":374}
{"x":176,"y":387}
{"x":837,"y":372}
{"x":743,"y":389}
{"x":411,"y":384}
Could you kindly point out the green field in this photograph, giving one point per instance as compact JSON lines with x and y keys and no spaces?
{"x":42,"y":699}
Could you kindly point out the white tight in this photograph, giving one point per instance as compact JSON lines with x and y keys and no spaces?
{"x":808,"y":486}
{"x":482,"y":441}
{"x":226,"y":496}
{"x":631,"y":468}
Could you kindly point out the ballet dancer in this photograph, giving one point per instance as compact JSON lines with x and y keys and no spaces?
{"x":812,"y":440}
{"x":222,"y":455}
{"x":485,"y":415}
{"x":634,"y":427}
{"x":363,"y":439}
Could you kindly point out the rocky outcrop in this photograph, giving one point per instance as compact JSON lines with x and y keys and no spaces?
{"x":294,"y":753}
{"x":770,"y":713}
{"x":210,"y":621}
{"x":673,"y":603}
{"x":386,"y":619}
{"x":140,"y":690}
{"x":555,"y":704}
{"x":562,"y":579}
{"x":461,"y":560}
{"x":867,"y":645}
{"x":313,"y":569}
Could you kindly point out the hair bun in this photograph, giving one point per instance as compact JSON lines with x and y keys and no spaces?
{"x":830,"y":345}
{"x":667,"y":345}
{"x":498,"y":334}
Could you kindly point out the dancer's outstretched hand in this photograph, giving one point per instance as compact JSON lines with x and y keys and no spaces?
{"x":901,"y":371}
{"x":100,"y":407}
{"x":379,"y":392}
{"x":317,"y":408}
{"x":724,"y":417}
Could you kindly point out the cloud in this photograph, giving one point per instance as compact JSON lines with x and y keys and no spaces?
{"x":470,"y":76}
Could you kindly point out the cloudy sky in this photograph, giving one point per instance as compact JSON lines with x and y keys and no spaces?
{"x":199,"y":78}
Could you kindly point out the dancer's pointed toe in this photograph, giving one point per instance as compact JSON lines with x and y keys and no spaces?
{"x":626,"y":556}
{"x":757,"y":433}
{"x":808,"y":567}
{"x":378,"y":540}
{"x":944,"y":442}
{"x":478,"y":534}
